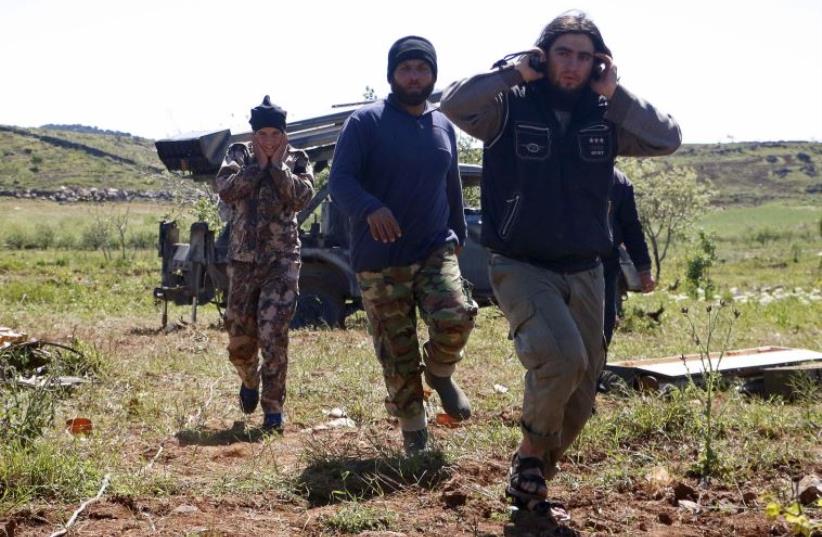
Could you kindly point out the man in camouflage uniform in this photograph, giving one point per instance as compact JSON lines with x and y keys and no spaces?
{"x":396,"y":176}
{"x":266,"y":182}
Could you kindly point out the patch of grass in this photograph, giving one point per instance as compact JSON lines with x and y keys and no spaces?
{"x":177,"y":390}
{"x":355,"y":518}
{"x":27,"y":411}
{"x":335,"y":473}
{"x":44,"y":471}
{"x":24,"y":412}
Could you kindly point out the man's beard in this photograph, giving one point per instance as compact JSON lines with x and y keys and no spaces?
{"x":414,"y":98}
{"x":564,"y":98}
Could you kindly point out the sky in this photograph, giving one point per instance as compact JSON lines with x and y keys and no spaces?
{"x":727,"y":70}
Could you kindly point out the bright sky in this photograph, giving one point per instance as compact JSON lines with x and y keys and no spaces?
{"x":726,"y":69}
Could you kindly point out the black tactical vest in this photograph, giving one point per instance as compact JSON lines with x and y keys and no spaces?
{"x":545,"y":194}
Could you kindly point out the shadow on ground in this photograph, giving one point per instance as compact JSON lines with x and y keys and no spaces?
{"x":332,"y":478}
{"x":530,"y":527}
{"x":238,"y":432}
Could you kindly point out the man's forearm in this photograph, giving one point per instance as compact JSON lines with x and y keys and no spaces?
{"x":294,"y":189}
{"x":349,"y":195}
{"x":476,"y":105}
{"x":643,"y":130}
{"x":234,"y":182}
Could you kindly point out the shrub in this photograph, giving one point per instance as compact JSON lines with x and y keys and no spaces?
{"x":67,"y":242}
{"x":142,"y":240}
{"x":697,"y":272}
{"x":97,"y":236}
{"x":17,"y":239}
{"x":43,"y":236}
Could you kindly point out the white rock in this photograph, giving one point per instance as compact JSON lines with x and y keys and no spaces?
{"x":341,"y":423}
{"x":185,"y":509}
{"x":336,"y":412}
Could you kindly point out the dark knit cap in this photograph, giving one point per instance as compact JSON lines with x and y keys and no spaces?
{"x":267,"y":115}
{"x":411,"y":47}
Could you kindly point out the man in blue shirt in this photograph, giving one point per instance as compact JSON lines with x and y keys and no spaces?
{"x":395,"y":175}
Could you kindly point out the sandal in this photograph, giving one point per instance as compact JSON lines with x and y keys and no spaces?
{"x":528,"y":490}
{"x":525,"y":485}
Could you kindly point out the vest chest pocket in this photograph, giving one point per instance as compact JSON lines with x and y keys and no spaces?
{"x":595,"y":143}
{"x":533,"y":142}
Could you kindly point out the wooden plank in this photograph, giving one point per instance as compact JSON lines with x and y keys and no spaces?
{"x":742,"y":362}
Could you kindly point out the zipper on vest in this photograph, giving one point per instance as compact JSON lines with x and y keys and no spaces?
{"x":511,"y":207}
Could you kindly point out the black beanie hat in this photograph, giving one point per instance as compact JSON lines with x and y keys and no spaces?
{"x":411,"y":47}
{"x":267,"y":115}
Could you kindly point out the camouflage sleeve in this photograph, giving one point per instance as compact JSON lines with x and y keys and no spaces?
{"x":294,"y":181}
{"x":643,"y":131}
{"x":238,"y":178}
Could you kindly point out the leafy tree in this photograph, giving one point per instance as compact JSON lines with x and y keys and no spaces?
{"x":669,"y":200}
{"x":469,"y":148}
{"x":470,"y":152}
{"x":369,"y":94}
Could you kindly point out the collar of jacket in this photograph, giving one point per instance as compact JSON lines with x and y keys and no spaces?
{"x":586,"y":100}
{"x":394,"y":103}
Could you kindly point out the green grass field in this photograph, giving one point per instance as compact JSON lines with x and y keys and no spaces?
{"x":183,"y":462}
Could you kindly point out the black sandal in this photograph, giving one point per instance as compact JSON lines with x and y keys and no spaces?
{"x":535,"y":502}
{"x":518,"y":480}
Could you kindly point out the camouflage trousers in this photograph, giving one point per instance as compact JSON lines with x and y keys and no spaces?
{"x":391,"y":297}
{"x":261,"y":303}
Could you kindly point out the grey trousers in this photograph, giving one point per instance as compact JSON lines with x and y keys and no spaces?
{"x":556,"y":324}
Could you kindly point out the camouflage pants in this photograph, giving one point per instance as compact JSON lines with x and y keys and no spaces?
{"x":261,"y":303}
{"x":391,"y":297}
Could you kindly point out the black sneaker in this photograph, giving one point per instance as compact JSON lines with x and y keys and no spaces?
{"x":249,"y":398}
{"x":273,"y":423}
{"x":415,"y":441}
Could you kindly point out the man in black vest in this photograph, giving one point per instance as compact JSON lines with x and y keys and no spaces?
{"x":553,"y":122}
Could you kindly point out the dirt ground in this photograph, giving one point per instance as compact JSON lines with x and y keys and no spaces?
{"x":465,"y":500}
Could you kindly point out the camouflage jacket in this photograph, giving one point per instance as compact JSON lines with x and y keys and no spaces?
{"x":264,"y":203}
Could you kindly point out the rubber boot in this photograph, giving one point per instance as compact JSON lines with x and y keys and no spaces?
{"x":454,"y":401}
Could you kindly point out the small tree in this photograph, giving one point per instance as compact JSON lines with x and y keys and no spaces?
{"x":698,"y":267}
{"x":369,"y":94}
{"x":470,"y":152}
{"x":668,"y":201}
{"x":470,"y":149}
{"x":712,"y":336}
{"x":119,"y":222}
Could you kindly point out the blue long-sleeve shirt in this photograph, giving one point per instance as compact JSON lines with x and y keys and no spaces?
{"x":385,"y":157}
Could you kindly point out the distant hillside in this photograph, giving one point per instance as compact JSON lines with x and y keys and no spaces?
{"x":77,"y":156}
{"x":84,"y":129}
{"x":751,"y":172}
{"x":48,"y":159}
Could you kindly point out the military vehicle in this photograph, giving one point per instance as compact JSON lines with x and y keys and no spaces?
{"x":194,"y":273}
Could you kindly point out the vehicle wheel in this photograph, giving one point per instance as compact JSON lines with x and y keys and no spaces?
{"x":610,"y":382}
{"x":319,"y":305}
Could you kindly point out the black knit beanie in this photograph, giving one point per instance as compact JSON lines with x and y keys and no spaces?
{"x":411,"y":47}
{"x":267,"y":115}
